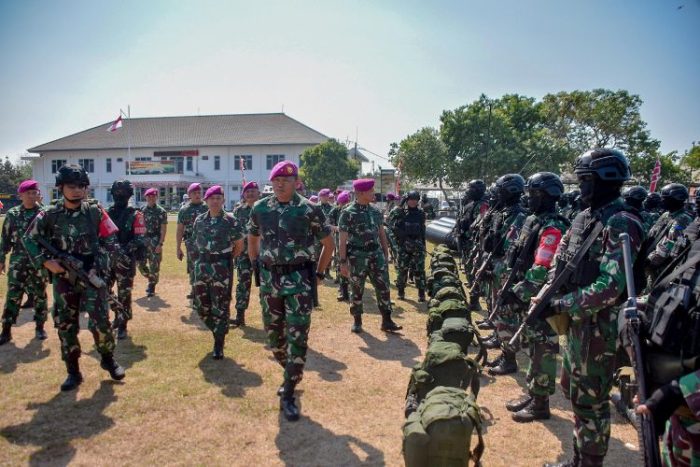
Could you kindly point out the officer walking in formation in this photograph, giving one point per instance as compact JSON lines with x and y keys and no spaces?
{"x":155,"y":217}
{"x":333,"y":217}
{"x":22,"y":275}
{"x":218,"y":238}
{"x":130,"y":249}
{"x":84,"y":231}
{"x":251,"y":194}
{"x":363,"y":251}
{"x":185,"y":221}
{"x":407,"y":223}
{"x":282,"y":232}
{"x":589,"y":299}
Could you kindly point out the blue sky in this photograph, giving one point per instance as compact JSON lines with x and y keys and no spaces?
{"x":385,"y":68}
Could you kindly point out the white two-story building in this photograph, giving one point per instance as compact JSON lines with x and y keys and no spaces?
{"x":169,"y":153}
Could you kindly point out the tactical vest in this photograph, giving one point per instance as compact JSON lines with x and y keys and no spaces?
{"x":495,"y":239}
{"x":533,"y":226}
{"x":126,"y":230}
{"x":413,"y":224}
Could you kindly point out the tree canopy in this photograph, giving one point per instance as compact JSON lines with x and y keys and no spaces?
{"x":12,"y":174}
{"x":327,"y":165}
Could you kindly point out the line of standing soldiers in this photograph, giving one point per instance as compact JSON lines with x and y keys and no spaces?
{"x":512,"y":253}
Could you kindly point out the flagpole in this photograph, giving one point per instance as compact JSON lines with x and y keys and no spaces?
{"x":128,"y":136}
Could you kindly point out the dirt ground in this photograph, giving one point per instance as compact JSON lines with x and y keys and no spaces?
{"x":178,"y":406}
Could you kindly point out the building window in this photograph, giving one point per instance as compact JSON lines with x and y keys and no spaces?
{"x":247,"y":162}
{"x":91,"y":193}
{"x":55,"y":194}
{"x":273,"y":159}
{"x":57,"y":164}
{"x":87,"y":164}
{"x":189,"y":163}
{"x":217,"y":162}
{"x":108,"y":161}
{"x":142,"y":158}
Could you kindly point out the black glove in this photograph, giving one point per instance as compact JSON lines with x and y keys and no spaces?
{"x":663,"y":402}
{"x":510,"y":299}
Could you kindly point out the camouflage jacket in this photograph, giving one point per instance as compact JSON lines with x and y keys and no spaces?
{"x":326,"y":208}
{"x":334,"y":215}
{"x":289,"y":230}
{"x":17,"y":221}
{"x":186,"y":216}
{"x":407,"y":225}
{"x":390,"y":205}
{"x":215,"y":235}
{"x":86,"y":233}
{"x":428,"y":209}
{"x":362,"y":224}
{"x":154,"y":217}
{"x":600,"y":277}
{"x":504,"y":229}
{"x":670,"y":228}
{"x":242,"y":214}
{"x":550,"y":228}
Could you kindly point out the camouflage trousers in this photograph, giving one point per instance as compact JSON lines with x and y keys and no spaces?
{"x":213,"y":281}
{"x":413,"y":260}
{"x":287,"y":320}
{"x":374,"y":267}
{"x":150,"y":265}
{"x":509,"y":317}
{"x":342,"y":281}
{"x":71,"y":300}
{"x":393,"y":248}
{"x":190,"y":257}
{"x":680,"y":444}
{"x":587,"y":378}
{"x":22,"y":277}
{"x":543,"y":350}
{"x":122,"y":274}
{"x":245,"y":273}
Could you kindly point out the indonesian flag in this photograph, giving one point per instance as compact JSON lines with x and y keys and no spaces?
{"x":655,"y":174}
{"x":117,"y":124}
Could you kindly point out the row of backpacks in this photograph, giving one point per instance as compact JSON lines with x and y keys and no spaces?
{"x":441,"y":409}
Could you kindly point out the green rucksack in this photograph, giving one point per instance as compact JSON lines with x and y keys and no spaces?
{"x":461,"y":332}
{"x":440,"y":278}
{"x":439,"y":433}
{"x":450,"y":293}
{"x":445,"y":309}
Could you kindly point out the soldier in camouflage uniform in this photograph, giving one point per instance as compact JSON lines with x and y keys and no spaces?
{"x":22,"y":275}
{"x":156,"y":220}
{"x":653,"y":205}
{"x":391,"y":200}
{"x":281,"y":238}
{"x":531,"y":256}
{"x":251,"y":194}
{"x":427,"y":208}
{"x":363,"y":250}
{"x":634,"y":196}
{"x":185,"y":221}
{"x":333,"y":217}
{"x":474,"y":207}
{"x":218,"y":238}
{"x":84,"y":231}
{"x":590,"y":298}
{"x":131,"y":246}
{"x":407,"y":223}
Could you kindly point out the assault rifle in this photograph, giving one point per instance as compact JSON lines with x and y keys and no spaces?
{"x":648,"y":439}
{"x":76,"y":274}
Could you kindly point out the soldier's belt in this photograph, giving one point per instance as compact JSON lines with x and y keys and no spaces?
{"x":283,"y":269}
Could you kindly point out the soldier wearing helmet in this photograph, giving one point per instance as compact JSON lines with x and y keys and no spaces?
{"x":407,"y":224}
{"x":130,"y":250}
{"x":85,"y":232}
{"x":588,"y":300}
{"x":473,"y":209}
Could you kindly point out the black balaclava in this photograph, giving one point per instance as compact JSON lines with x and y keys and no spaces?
{"x":671,"y":204}
{"x":597,"y":193}
{"x":121,"y":199}
{"x":540,"y":202}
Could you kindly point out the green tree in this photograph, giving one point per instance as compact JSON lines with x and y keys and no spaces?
{"x":671,"y":169}
{"x":327,"y":165}
{"x":692,"y":157}
{"x":12,"y":174}
{"x":422,"y":157}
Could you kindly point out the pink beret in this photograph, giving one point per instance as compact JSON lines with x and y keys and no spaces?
{"x":363,"y":184}
{"x":151,"y":191}
{"x":343,"y":197}
{"x":214,"y":190}
{"x":314,"y":199}
{"x":250,"y":186}
{"x":284,"y":169}
{"x":324,"y":192}
{"x":331,"y":196}
{"x":194,"y":187}
{"x":390,"y":197}
{"x":28,"y":185}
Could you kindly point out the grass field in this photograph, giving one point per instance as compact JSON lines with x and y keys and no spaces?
{"x":178,"y":406}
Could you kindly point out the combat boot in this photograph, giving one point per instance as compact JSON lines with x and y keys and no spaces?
{"x":218,"y":352}
{"x":240,"y":319}
{"x":485,"y":324}
{"x":288,"y":403}
{"x":518,"y":404}
{"x":74,"y":376}
{"x":121,"y":331}
{"x":150,"y":290}
{"x":421,"y":295}
{"x":343,"y":295}
{"x":493,"y":342}
{"x":6,"y":334}
{"x":116,"y":372}
{"x":574,"y":462}
{"x":589,"y":460}
{"x":507,"y":366}
{"x":537,"y":409}
{"x":39,"y":333}
{"x":357,"y":324}
{"x":388,"y":325}
{"x":402,"y":294}
{"x":474,"y":304}
{"x":495,"y":362}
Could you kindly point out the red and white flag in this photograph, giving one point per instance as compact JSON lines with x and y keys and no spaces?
{"x":117,"y":124}
{"x":655,"y":175}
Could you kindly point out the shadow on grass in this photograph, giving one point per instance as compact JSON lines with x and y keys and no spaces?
{"x":306,"y":442}
{"x":252,"y":334}
{"x":127,"y":353}
{"x":229,"y":375}
{"x":395,"y":347}
{"x":152,"y":303}
{"x":59,"y":421}
{"x":13,"y":356}
{"x":194,"y":320}
{"x":327,"y":368}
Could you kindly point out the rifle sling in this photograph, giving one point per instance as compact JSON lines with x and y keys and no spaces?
{"x":692,"y":261}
